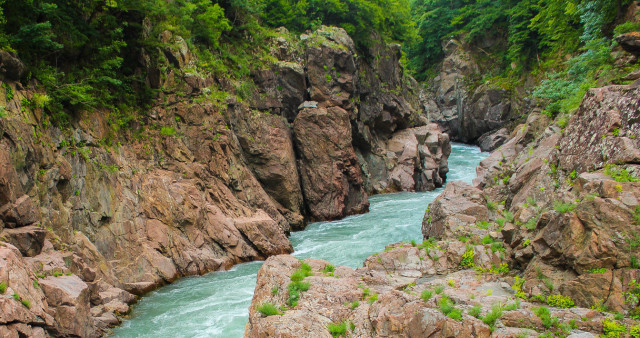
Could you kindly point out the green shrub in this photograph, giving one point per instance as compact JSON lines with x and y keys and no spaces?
{"x":501,"y":221}
{"x":3,"y":287}
{"x":486,"y":240}
{"x":563,"y":207}
{"x":295,"y":288}
{"x":167,"y":131}
{"x":455,"y":314}
{"x":426,"y":295}
{"x":467,"y":259}
{"x":491,"y":205}
{"x":560,"y":301}
{"x":626,"y":27}
{"x":531,"y":223}
{"x":438,"y":289}
{"x":493,"y":315}
{"x":16,"y":296}
{"x":275,"y":290}
{"x":329,"y":268}
{"x":26,"y":303}
{"x":483,"y":225}
{"x":338,"y":330}
{"x":268,"y":309}
{"x":446,"y":305}
{"x":373,"y":298}
{"x":612,"y":329}
{"x":598,"y":270}
{"x":475,"y":311}
{"x":636,"y":214}
{"x":508,"y":215}
{"x":619,"y":174}
{"x":354,"y":305}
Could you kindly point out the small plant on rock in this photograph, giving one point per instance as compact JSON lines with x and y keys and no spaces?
{"x":426,"y":295}
{"x":467,"y":258}
{"x":338,"y":330}
{"x":560,"y":301}
{"x":3,"y":287}
{"x":563,"y":207}
{"x":329,"y":269}
{"x":268,"y":309}
{"x":493,"y":316}
{"x":475,"y":311}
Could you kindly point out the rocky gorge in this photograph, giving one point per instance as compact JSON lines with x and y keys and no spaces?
{"x":92,"y":217}
{"x":543,"y":243}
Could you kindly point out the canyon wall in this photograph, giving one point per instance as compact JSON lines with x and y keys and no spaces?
{"x":215,"y":173}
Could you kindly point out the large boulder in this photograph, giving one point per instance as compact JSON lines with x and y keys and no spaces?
{"x":331,"y":176}
{"x":459,"y":206}
{"x":68,"y":299}
{"x":29,"y":240}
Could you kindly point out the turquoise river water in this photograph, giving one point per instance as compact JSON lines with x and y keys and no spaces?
{"x":217,"y":304}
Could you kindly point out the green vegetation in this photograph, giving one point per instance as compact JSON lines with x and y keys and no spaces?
{"x":560,"y":301}
{"x":475,"y":311}
{"x":493,"y":316}
{"x":438,"y":289}
{"x":3,"y":287}
{"x":598,"y":270}
{"x":545,"y":315}
{"x":612,"y":329}
{"x":360,"y":18}
{"x":426,"y":295}
{"x":619,"y":174}
{"x":297,"y":286}
{"x":354,"y":305}
{"x":563,"y":207}
{"x":329,"y":269}
{"x":268,"y":309}
{"x":338,"y":330}
{"x":467,"y":258}
{"x":167,"y":131}
{"x":533,"y":36}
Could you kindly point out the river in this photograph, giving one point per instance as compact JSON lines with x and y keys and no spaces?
{"x":217,"y":304}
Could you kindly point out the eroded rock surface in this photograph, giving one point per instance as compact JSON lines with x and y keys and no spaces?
{"x":212,"y":175}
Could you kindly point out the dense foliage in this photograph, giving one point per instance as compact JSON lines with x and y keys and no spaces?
{"x":87,"y":54}
{"x":529,"y":36}
{"x":360,"y":18}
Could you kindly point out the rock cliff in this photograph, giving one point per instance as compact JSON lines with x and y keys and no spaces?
{"x":543,"y":244}
{"x":467,"y":109}
{"x":215,"y":173}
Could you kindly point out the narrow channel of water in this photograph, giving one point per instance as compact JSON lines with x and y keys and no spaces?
{"x":216,"y":305}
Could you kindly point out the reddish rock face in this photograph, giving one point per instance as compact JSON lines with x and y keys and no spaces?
{"x":203,"y":180}
{"x":564,"y":201}
{"x":331,"y":177}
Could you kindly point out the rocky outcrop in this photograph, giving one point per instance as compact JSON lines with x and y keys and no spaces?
{"x":406,"y":291}
{"x":465,"y":109}
{"x":215,"y":173}
{"x":545,"y":241}
{"x":630,"y":42}
{"x":331,"y":176}
{"x":570,"y":201}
